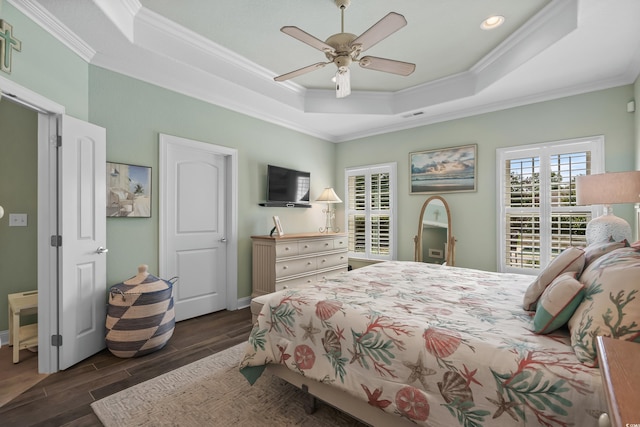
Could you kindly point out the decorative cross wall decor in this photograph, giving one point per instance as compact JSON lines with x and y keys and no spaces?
{"x":7,"y":44}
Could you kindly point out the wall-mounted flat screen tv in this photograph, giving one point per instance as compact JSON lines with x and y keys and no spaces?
{"x":287,"y":185}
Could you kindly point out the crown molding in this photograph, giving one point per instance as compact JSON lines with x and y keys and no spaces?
{"x":34,"y":11}
{"x":122,"y":13}
{"x":160,"y":50}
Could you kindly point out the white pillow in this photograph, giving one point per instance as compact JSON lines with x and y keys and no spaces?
{"x":571,"y":259}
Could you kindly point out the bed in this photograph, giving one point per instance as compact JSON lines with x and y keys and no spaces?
{"x":426,"y":344}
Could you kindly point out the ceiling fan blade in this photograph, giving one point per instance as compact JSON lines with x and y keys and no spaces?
{"x":301,"y":71}
{"x":307,"y":38}
{"x":380,"y":31}
{"x":387,"y":65}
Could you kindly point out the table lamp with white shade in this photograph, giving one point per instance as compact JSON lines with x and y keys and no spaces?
{"x":608,"y":189}
{"x":329,"y":197}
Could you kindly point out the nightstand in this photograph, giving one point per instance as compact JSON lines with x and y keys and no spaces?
{"x":620,"y":368}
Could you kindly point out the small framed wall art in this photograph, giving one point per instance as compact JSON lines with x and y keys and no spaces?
{"x":128,"y":190}
{"x":278,"y":226}
{"x":445,"y":170}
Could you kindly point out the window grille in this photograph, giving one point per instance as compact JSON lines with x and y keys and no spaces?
{"x":370,"y":211}
{"x":539,"y":217}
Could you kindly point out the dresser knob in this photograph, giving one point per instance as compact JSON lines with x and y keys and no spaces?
{"x":603,"y":421}
{"x":284,"y":267}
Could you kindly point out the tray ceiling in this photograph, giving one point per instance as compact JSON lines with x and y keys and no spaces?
{"x":227,"y":53}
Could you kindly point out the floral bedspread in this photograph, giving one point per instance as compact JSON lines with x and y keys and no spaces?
{"x":441,"y":346}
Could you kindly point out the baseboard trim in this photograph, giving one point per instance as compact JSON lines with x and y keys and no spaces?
{"x":4,"y":338}
{"x":244,"y":302}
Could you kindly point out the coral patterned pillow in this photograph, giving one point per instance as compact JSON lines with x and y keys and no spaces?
{"x":570,"y":260}
{"x":596,"y":250}
{"x":611,"y":305}
{"x":557,"y":303}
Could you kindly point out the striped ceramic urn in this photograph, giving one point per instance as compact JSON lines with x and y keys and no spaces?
{"x":140,"y":316}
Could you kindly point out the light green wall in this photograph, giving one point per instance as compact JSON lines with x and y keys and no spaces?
{"x":473,"y":214}
{"x":135,"y":113}
{"x":636,"y":98}
{"x":18,"y":194}
{"x":46,"y":66}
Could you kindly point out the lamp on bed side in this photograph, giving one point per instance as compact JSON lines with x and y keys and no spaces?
{"x":608,"y":189}
{"x":329,"y":197}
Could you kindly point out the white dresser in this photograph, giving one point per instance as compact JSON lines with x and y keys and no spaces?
{"x":293,"y":259}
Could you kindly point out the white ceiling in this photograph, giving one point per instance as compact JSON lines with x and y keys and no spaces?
{"x":227,"y":53}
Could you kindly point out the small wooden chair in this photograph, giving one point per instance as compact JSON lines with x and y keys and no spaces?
{"x":20,"y":337}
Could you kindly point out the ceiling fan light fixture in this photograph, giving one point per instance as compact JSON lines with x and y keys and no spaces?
{"x":492,"y":22}
{"x":343,"y":83}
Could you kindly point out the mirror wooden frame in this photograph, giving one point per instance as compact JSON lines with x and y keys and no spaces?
{"x":451,"y":241}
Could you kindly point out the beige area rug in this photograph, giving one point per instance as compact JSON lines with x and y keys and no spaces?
{"x":212,"y":392}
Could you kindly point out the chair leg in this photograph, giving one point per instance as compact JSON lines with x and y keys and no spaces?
{"x":16,"y":338}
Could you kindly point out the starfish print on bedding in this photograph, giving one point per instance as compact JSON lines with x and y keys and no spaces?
{"x":419,"y":372}
{"x":503,"y":406}
{"x":310,"y":331}
{"x":374,"y":398}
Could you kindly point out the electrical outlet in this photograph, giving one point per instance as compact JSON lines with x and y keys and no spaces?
{"x":17,"y":220}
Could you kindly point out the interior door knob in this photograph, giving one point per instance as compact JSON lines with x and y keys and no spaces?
{"x":223,"y":240}
{"x":102,"y":250}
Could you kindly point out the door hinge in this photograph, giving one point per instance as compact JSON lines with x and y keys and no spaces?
{"x":59,"y":141}
{"x":56,"y":340}
{"x":56,"y":241}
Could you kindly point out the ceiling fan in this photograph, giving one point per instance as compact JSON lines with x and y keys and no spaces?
{"x":344,"y":48}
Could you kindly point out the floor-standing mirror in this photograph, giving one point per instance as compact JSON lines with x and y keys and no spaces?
{"x":435,"y":242}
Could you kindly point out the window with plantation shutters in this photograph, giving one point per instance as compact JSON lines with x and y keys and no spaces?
{"x":370,"y":211}
{"x":537,"y":213}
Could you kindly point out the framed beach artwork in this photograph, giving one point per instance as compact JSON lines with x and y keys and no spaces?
{"x":128,"y":190}
{"x":445,"y":170}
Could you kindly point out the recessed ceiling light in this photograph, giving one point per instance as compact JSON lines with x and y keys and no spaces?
{"x":492,"y":22}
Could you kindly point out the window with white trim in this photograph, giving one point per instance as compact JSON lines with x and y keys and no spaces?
{"x":370,"y":211}
{"x":537,"y":213}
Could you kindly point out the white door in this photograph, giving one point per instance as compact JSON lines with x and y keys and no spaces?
{"x":83,"y":268}
{"x":194,"y":224}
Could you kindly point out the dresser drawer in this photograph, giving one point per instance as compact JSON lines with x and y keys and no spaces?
{"x":331,"y":260}
{"x":313,"y":246}
{"x":291,"y":283}
{"x":286,"y":249}
{"x":340,"y":242}
{"x":296,"y":266}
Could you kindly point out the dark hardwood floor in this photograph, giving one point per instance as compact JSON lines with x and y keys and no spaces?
{"x":63,"y":398}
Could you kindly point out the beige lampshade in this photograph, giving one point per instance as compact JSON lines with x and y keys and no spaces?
{"x":329,"y":196}
{"x":608,"y":188}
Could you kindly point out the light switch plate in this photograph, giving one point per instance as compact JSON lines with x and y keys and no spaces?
{"x":17,"y":220}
